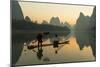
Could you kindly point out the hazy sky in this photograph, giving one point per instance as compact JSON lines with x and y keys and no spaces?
{"x":44,"y":11}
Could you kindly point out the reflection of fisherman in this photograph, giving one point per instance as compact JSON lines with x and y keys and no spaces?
{"x":40,"y":50}
{"x":39,"y":38}
{"x":56,"y":41}
{"x":40,"y":53}
{"x":56,"y":51}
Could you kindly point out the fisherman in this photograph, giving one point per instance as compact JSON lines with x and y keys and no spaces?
{"x":56,"y":41}
{"x":39,"y":39}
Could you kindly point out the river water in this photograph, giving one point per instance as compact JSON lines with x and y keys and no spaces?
{"x":64,"y":53}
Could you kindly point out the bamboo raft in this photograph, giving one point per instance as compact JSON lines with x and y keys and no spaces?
{"x":43,"y":45}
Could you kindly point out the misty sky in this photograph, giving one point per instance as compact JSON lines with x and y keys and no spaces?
{"x":44,"y":11}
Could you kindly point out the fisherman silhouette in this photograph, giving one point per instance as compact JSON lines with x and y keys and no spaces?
{"x":56,"y":41}
{"x":39,"y":39}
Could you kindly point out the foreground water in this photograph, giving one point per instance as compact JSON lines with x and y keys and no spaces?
{"x":65,"y":53}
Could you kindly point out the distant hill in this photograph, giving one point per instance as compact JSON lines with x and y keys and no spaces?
{"x":27,"y":19}
{"x":44,"y":22}
{"x":93,"y":19}
{"x":65,"y":24}
{"x":55,"y":21}
{"x":25,"y":25}
{"x":82,"y":23}
{"x":21,"y":23}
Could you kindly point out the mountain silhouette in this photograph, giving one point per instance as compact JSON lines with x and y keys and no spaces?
{"x":82,"y":23}
{"x":93,"y":17}
{"x":44,"y":22}
{"x":16,"y":11}
{"x":93,"y":29}
{"x":85,"y":31}
{"x":55,"y":21}
{"x":27,"y":19}
{"x":16,"y":15}
{"x":65,"y":24}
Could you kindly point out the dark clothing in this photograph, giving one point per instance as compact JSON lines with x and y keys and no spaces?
{"x":39,"y":38}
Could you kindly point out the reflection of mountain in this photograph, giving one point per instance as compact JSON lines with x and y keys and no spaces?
{"x":85,"y":31}
{"x":16,"y":15}
{"x":86,"y":39}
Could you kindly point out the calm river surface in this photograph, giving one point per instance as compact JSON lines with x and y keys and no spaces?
{"x":65,"y":52}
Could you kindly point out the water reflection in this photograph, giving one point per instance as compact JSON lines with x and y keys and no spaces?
{"x":56,"y":50}
{"x":68,"y":50}
{"x":16,"y":52}
{"x":40,"y":53}
{"x":86,"y":39}
{"x":56,"y":41}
